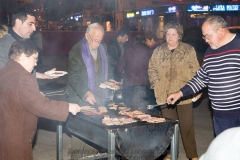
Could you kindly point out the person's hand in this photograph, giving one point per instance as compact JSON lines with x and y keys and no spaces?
{"x":44,"y":76}
{"x":74,"y":108}
{"x":196,"y":97}
{"x":112,"y":80}
{"x":90,"y":98}
{"x":42,"y":94}
{"x":172,"y":98}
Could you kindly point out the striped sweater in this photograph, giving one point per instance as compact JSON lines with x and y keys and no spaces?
{"x":220,"y":72}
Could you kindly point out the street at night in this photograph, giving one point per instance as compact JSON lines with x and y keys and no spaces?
{"x":114,"y":60}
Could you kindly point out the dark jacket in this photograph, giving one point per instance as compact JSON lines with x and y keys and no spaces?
{"x":21,"y":103}
{"x":133,"y":67}
{"x":158,"y":43}
{"x":114,"y":53}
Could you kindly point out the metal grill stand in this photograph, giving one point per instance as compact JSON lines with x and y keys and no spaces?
{"x":111,"y":145}
{"x":59,"y":142}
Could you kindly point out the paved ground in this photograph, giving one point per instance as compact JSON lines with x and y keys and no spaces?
{"x":45,"y":144}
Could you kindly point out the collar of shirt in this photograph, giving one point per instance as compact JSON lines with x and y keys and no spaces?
{"x":14,"y":34}
{"x":93,"y":53}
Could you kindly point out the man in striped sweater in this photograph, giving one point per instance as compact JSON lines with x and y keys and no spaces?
{"x":220,"y":72}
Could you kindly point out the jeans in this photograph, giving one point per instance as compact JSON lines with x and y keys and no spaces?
{"x":221,"y":124}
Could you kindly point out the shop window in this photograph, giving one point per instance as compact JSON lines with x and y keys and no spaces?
{"x":160,"y":27}
{"x":199,"y":15}
{"x":197,"y":19}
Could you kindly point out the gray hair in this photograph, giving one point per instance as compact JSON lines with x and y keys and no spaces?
{"x":174,"y":25}
{"x":216,"y":21}
{"x":94,"y":26}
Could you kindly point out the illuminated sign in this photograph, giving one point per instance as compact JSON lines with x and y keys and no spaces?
{"x":147,"y":12}
{"x":216,"y":8}
{"x":130,"y":15}
{"x":137,"y":13}
{"x":232,"y":7}
{"x":197,"y":8}
{"x":172,"y":9}
{"x":77,"y":17}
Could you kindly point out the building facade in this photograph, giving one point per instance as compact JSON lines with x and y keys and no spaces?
{"x":150,"y":15}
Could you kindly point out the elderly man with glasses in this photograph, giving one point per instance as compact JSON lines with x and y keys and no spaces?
{"x":220,"y":73}
{"x":88,"y":67}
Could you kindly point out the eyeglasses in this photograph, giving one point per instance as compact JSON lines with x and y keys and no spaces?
{"x":207,"y":37}
{"x":94,"y":41}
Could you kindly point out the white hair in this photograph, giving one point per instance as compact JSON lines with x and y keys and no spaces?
{"x":94,"y":26}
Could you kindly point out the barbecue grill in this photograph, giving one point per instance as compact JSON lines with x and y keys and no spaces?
{"x":138,"y":140}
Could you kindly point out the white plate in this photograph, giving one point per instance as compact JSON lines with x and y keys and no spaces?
{"x":55,"y":73}
{"x":119,"y":96}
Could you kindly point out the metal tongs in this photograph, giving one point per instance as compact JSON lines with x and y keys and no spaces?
{"x":56,"y":93}
{"x":155,"y":105}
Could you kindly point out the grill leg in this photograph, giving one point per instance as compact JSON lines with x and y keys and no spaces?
{"x":174,"y":143}
{"x":59,"y":142}
{"x":111,"y":145}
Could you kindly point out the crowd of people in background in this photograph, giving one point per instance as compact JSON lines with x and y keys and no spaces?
{"x":152,"y":71}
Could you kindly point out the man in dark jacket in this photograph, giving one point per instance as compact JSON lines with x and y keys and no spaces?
{"x":116,"y":49}
{"x":88,"y":68}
